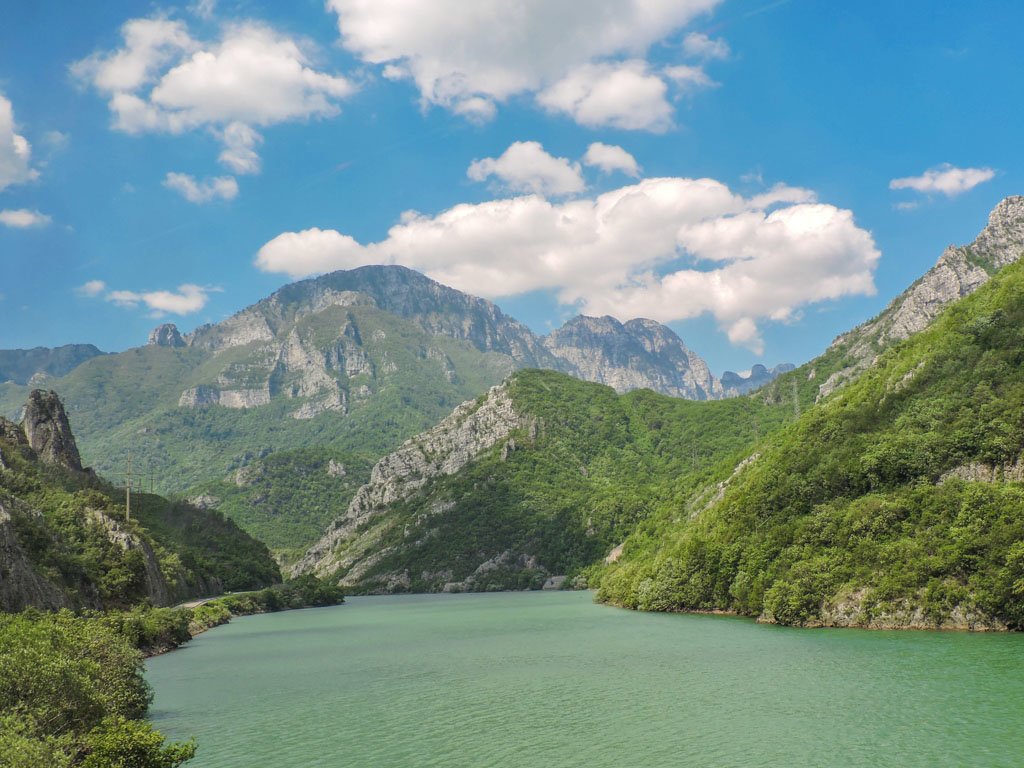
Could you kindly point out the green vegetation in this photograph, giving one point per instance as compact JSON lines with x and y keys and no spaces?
{"x":288,"y":498}
{"x":566,"y":489}
{"x":72,"y":694}
{"x":849,"y":516}
{"x":71,"y":686}
{"x":72,"y":526}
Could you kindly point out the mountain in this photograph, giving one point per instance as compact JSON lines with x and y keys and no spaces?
{"x":349,"y":364}
{"x":67,"y":542}
{"x":734,"y":384}
{"x":538,"y":478}
{"x":898,"y":501}
{"x":960,"y":271}
{"x":640,"y":354}
{"x":20,"y":365}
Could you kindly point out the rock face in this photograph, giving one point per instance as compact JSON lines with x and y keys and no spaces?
{"x":156,"y":585}
{"x":959,"y":271}
{"x":473,"y":428}
{"x":639,"y":354}
{"x":21,"y":365}
{"x":166,"y":335}
{"x":734,"y":384}
{"x":48,"y":431}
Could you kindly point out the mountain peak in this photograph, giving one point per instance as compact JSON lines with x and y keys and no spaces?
{"x":638,"y":354}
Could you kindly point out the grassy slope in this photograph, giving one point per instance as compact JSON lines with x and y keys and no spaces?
{"x":844,"y":509}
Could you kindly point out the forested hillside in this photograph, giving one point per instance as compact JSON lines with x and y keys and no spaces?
{"x":896,"y":502}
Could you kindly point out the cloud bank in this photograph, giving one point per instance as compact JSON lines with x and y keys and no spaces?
{"x":583,"y":60}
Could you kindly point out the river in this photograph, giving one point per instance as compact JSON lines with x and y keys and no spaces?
{"x":550,"y":680}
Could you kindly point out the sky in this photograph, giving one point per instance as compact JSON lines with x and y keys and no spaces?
{"x":759,"y":175}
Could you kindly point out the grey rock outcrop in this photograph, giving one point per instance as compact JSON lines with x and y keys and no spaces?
{"x":48,"y":432}
{"x":638,"y":354}
{"x":166,"y":335}
{"x":960,"y":270}
{"x":157,"y":589}
{"x":474,"y":427}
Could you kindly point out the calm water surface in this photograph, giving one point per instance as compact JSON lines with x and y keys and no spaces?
{"x":552,"y":680}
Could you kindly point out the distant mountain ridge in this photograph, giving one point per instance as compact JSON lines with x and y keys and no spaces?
{"x":20,"y":365}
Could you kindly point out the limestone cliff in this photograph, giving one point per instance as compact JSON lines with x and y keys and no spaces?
{"x":351,"y":544}
{"x":48,"y":432}
{"x":166,"y":335}
{"x":639,"y":354}
{"x":960,"y":270}
{"x":734,"y":384}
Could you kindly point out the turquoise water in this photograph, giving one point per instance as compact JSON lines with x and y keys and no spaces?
{"x":550,"y":679}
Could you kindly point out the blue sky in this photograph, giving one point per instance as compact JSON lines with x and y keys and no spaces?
{"x":303,"y":132}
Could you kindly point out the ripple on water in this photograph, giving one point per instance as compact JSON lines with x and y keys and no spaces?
{"x":549,"y":679}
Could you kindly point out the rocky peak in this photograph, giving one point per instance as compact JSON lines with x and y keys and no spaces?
{"x":735,"y":384}
{"x":959,"y":271}
{"x":166,"y":335}
{"x":48,"y":432}
{"x":639,"y":354}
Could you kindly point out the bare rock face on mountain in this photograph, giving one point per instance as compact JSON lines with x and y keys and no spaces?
{"x":48,"y":432}
{"x":960,"y":270}
{"x":639,"y":354}
{"x":353,"y":543}
{"x":166,"y":335}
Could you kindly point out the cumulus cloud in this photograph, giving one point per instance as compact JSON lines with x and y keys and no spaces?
{"x":164,"y":80}
{"x":187,"y":300}
{"x":700,"y":46}
{"x":624,"y":95}
{"x":15,"y":151}
{"x":91,"y":288}
{"x":945,"y":179}
{"x":609,"y":158}
{"x":23,"y":218}
{"x":526,"y":167}
{"x":205,"y":191}
{"x":470,"y":57}
{"x":666,"y":248}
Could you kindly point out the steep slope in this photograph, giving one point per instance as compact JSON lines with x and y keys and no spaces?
{"x":20,"y":365}
{"x":640,"y":354}
{"x":896,"y":502}
{"x":65,"y":540}
{"x":959,"y":271}
{"x":540,"y":477}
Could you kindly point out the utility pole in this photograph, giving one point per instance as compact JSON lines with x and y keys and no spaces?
{"x":128,"y":490}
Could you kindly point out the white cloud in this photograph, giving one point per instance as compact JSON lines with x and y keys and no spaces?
{"x":204,"y":9}
{"x":91,"y":288}
{"x":945,"y":179}
{"x":163,"y":80}
{"x":205,"y":191}
{"x":23,"y":218}
{"x":668,"y":249}
{"x":239,"y":152}
{"x":470,"y":57}
{"x":700,"y":46}
{"x":689,"y":78}
{"x":609,"y":157}
{"x":15,"y":151}
{"x":624,"y":95}
{"x":526,"y":167}
{"x":187,"y":300}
